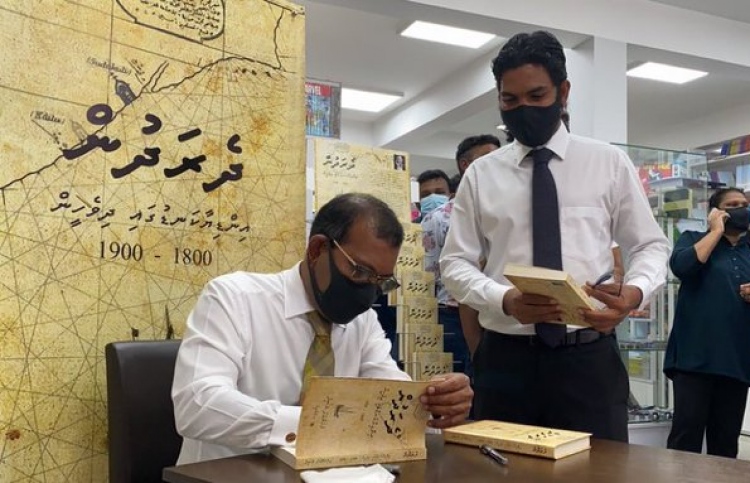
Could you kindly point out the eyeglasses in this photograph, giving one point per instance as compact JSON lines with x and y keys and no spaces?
{"x":362,"y":274}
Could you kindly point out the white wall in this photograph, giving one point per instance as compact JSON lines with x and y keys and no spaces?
{"x":357,"y":132}
{"x":701,"y":131}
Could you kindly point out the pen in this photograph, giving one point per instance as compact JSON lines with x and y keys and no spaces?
{"x":494,"y":454}
{"x":602,"y":279}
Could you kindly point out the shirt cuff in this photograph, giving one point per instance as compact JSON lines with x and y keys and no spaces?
{"x":645,"y":286}
{"x":284,"y":431}
{"x":496,"y":294}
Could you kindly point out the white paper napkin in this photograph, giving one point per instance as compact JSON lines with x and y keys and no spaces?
{"x":352,"y":474}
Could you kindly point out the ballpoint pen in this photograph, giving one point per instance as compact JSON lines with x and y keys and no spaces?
{"x":602,"y":279}
{"x":494,"y":454}
{"x":606,"y":277}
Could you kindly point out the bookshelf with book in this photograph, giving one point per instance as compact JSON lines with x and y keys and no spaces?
{"x":678,"y":185}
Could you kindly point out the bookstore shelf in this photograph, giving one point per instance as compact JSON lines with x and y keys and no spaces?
{"x":677,"y":184}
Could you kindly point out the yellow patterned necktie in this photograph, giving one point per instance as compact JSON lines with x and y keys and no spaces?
{"x":319,"y":360}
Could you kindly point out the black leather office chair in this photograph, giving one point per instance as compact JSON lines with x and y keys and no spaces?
{"x":142,"y":435}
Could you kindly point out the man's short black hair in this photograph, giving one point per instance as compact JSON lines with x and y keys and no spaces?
{"x":338,"y":215}
{"x":473,"y":141}
{"x":434,"y":174}
{"x":455,"y":181}
{"x":539,"y":47}
{"x":715,"y":200}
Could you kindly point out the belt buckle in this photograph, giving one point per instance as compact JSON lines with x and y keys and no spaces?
{"x":572,"y":338}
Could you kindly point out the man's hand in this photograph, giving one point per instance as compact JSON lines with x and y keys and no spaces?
{"x":619,"y":302}
{"x":530,"y":308}
{"x":448,"y":399}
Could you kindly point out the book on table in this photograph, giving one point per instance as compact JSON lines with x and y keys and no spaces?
{"x":354,"y":421}
{"x":520,"y":438}
{"x":556,"y":284}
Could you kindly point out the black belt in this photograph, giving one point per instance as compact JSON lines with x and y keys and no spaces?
{"x":578,"y":337}
{"x":448,"y":308}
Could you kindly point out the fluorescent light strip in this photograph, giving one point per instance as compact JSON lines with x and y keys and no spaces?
{"x":665,"y":73}
{"x":447,"y":35}
{"x":358,"y":100}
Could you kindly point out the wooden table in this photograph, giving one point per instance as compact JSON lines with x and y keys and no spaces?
{"x":607,"y":462}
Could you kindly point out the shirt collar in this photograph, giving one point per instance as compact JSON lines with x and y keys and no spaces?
{"x":296,"y":301}
{"x":558,"y":144}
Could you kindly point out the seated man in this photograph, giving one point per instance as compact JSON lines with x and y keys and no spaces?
{"x":244,"y":356}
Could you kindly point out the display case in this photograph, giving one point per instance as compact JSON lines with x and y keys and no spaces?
{"x":678,"y":185}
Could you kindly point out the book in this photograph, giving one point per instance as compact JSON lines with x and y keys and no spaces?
{"x":354,"y":421}
{"x":552,"y":283}
{"x":520,"y":438}
{"x":422,"y":366}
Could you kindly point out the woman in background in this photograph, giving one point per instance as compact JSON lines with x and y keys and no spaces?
{"x":708,"y":353}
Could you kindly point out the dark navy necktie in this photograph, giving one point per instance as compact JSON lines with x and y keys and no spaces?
{"x":545,"y":226}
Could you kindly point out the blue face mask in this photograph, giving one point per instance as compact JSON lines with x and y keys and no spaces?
{"x":430,"y":203}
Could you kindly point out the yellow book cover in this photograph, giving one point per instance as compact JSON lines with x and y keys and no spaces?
{"x":354,"y":421}
{"x":520,"y":438}
{"x":552,"y":283}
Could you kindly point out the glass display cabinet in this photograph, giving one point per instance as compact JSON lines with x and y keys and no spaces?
{"x":678,"y":185}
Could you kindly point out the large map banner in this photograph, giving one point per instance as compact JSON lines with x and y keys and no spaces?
{"x":146,"y":147}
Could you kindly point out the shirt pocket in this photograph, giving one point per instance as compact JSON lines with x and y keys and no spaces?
{"x":585,"y":232}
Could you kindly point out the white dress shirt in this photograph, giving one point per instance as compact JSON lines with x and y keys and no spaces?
{"x":239,"y":369}
{"x":600,"y":200}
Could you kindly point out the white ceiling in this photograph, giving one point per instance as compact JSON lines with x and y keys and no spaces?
{"x":356,"y":42}
{"x":729,"y":9}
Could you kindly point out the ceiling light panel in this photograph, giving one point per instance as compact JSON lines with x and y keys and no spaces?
{"x":447,"y":35}
{"x":358,"y":100}
{"x":665,"y":73}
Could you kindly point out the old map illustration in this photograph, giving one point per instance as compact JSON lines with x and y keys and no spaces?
{"x":146,"y":147}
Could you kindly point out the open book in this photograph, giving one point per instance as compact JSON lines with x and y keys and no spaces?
{"x":520,"y":438}
{"x":352,"y":421}
{"x":552,"y":283}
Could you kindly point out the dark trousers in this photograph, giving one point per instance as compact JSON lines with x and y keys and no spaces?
{"x":710,"y":404}
{"x":580,"y":387}
{"x":453,"y":339}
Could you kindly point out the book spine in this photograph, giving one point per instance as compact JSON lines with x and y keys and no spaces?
{"x":312,"y":462}
{"x":500,"y":444}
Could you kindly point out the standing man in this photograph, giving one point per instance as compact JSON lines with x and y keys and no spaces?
{"x":434,"y":191}
{"x":254,"y":340}
{"x":434,"y":228}
{"x":555,"y":200}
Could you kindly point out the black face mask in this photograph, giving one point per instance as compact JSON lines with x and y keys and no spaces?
{"x":739,"y":219}
{"x":343,"y":300}
{"x":533,"y":126}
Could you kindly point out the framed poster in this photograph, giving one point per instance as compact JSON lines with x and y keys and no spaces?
{"x":323,"y":109}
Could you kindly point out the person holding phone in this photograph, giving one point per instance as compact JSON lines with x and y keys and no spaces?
{"x":708,"y":353}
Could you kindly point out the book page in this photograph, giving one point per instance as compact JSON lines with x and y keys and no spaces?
{"x":351,"y":417}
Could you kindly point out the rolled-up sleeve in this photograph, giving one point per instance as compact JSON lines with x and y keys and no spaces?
{"x":684,"y":261}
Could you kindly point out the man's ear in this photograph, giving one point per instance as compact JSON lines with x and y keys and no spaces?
{"x":564,"y":92}
{"x":315,"y":247}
